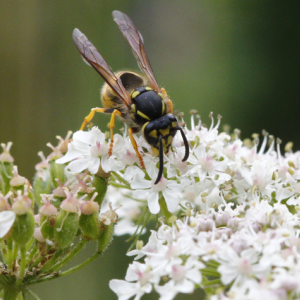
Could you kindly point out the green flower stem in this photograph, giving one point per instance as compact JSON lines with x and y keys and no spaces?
{"x":29,"y":244}
{"x":120,"y":178}
{"x":212,"y":264}
{"x":3,"y":250}
{"x":145,"y":218}
{"x":36,"y":262}
{"x":69,"y":256}
{"x":10,"y":292}
{"x":32,"y":294}
{"x":210,"y":283}
{"x":32,"y":254}
{"x":50,"y":263}
{"x":22,"y":264}
{"x":9,"y":254}
{"x":15,"y":252}
{"x":164,"y":208}
{"x":210,"y":272}
{"x":118,"y":185}
{"x":71,"y":270}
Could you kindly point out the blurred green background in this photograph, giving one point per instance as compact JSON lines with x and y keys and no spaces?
{"x":239,"y":59}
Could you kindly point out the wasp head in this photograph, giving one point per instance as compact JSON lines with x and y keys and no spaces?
{"x":159,"y":134}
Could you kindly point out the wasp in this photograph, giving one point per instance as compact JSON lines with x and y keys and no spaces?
{"x":138,"y":101}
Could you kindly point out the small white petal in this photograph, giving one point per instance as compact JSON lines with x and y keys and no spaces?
{"x":7,"y":219}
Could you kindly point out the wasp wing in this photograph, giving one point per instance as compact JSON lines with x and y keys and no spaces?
{"x":95,"y":59}
{"x":135,"y":41}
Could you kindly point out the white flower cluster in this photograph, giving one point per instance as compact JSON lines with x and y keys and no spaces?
{"x":253,"y":249}
{"x":244,"y":229}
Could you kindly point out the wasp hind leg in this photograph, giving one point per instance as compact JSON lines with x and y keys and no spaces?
{"x":111,"y":125}
{"x":135,"y":146}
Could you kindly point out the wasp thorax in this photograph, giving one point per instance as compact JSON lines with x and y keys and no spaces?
{"x":164,"y":127}
{"x":146,"y":105}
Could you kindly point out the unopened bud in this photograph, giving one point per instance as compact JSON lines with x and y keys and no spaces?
{"x":65,"y":228}
{"x":139,"y":244}
{"x":100,"y":185}
{"x":17,"y":180}
{"x":57,"y":171}
{"x":23,"y":228}
{"x":109,"y":216}
{"x":291,"y":171}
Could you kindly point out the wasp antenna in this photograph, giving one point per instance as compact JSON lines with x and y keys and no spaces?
{"x":161,"y":161}
{"x":186,"y":144}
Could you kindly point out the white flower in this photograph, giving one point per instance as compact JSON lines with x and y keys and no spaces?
{"x":7,"y":219}
{"x":89,"y":149}
{"x":146,"y":189}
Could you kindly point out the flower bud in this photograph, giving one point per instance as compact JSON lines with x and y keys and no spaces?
{"x":90,"y":225}
{"x":57,"y":171}
{"x":47,"y":226}
{"x":41,"y":186}
{"x":17,"y":181}
{"x":100,"y":184}
{"x":65,"y":228}
{"x":38,"y":235}
{"x":109,"y":216}
{"x":23,"y":228}
{"x":106,"y":236}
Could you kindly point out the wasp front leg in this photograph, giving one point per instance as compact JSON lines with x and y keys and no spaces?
{"x":111,"y":125}
{"x":135,"y":147}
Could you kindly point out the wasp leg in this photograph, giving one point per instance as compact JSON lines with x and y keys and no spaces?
{"x":168,"y":102}
{"x":111,"y":126}
{"x":135,"y":146}
{"x":90,"y":116}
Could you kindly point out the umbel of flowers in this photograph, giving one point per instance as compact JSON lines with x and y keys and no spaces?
{"x":228,"y":220}
{"x":43,"y":225}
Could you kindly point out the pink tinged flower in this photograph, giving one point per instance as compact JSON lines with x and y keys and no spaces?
{"x":238,"y":268}
{"x":4,"y":205}
{"x":21,"y":204}
{"x":38,"y":235}
{"x":110,"y":216}
{"x":5,"y":156}
{"x":90,"y":207}
{"x":146,"y":189}
{"x":151,"y":247}
{"x":130,"y":158}
{"x":71,"y":203}
{"x":125,"y":290}
{"x":17,"y":180}
{"x":47,"y":209}
{"x":42,"y":166}
{"x":7,"y":219}
{"x":138,"y":272}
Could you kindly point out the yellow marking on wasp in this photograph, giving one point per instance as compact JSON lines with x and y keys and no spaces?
{"x":155,"y":151}
{"x":163,"y":141}
{"x":148,"y":88}
{"x":134,"y":94}
{"x":143,"y":115}
{"x":160,"y":95}
{"x":133,"y":108}
{"x":153,"y":133}
{"x":174,"y":124}
{"x":144,"y":126}
{"x":170,"y":140}
{"x":163,"y":108}
{"x":165,"y":131}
